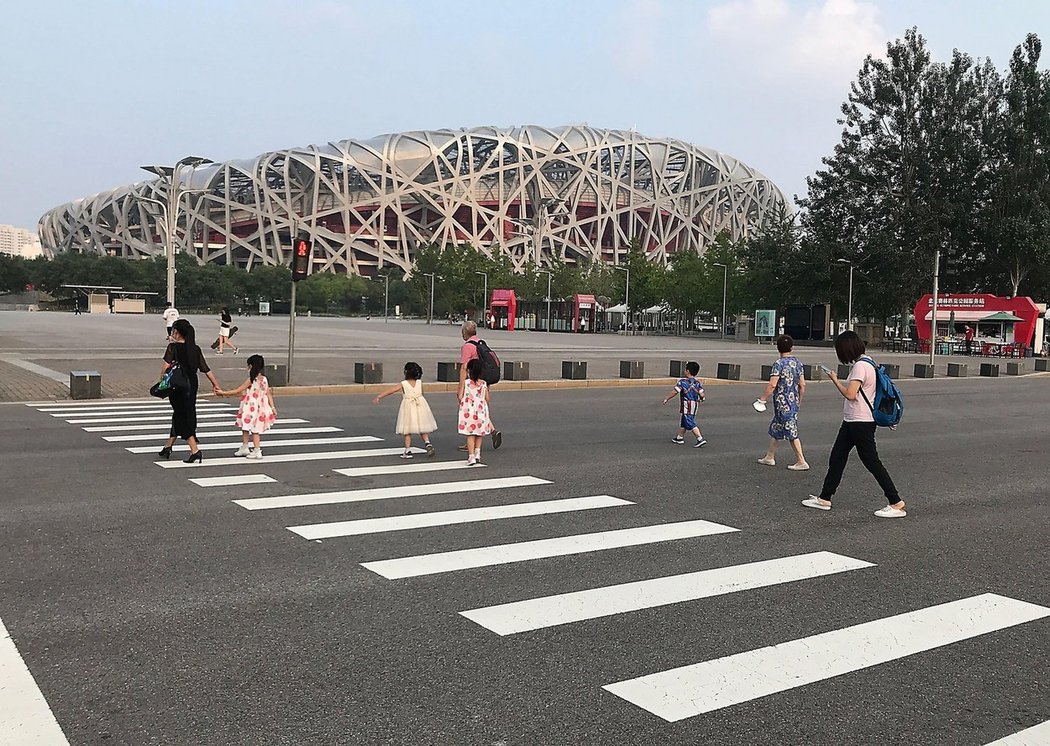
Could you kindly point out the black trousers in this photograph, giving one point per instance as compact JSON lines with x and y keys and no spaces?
{"x":859,"y":435}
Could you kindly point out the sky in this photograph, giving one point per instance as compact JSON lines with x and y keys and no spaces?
{"x":89,"y":91}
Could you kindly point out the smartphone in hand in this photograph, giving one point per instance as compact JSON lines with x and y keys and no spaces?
{"x":826,"y":369}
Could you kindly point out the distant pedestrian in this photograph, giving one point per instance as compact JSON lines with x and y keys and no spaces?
{"x":787,"y":386}
{"x":468,"y":352}
{"x":225,"y":322}
{"x":171,"y":315}
{"x":257,"y":411}
{"x":474,"y":420}
{"x":857,"y":429}
{"x":690,"y":392}
{"x":76,"y":306}
{"x":184,"y":353}
{"x":968,"y":336}
{"x":414,"y":417}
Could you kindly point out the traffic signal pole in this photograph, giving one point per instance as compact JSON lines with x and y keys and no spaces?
{"x":301,"y":253}
{"x":291,"y":335}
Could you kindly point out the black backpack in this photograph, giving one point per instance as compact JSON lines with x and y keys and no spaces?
{"x":490,"y":364}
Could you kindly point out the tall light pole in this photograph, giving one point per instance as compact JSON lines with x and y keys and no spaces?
{"x":626,"y":298}
{"x":849,"y":311}
{"x":933,"y":313}
{"x":725,"y":291}
{"x":430,"y":313}
{"x":484,"y":298}
{"x":550,"y":276}
{"x":172,"y":174}
{"x":386,"y":299}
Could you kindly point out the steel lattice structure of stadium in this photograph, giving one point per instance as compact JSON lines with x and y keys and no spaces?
{"x":576,"y":192}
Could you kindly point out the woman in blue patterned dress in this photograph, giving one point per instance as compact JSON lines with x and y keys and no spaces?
{"x":787,"y":386}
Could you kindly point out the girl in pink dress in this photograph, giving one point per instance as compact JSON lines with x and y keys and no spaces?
{"x":257,"y":411}
{"x":474,"y":419}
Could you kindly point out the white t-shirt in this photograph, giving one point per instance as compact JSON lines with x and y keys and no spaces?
{"x":858,"y":410}
{"x":170,"y":316}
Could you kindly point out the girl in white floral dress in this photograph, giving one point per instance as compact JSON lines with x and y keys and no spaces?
{"x":474,"y":420}
{"x":257,"y":411}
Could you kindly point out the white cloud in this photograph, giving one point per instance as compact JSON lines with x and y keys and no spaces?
{"x":824,"y":39}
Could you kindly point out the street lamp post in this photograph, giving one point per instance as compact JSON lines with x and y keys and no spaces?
{"x":484,"y":298}
{"x":849,"y":305}
{"x":171,"y":173}
{"x":626,"y":298}
{"x":430,"y":313}
{"x":933,"y":312}
{"x":386,"y":299}
{"x":725,"y":290}
{"x":550,"y":276}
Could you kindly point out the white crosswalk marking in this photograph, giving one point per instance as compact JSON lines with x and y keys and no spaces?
{"x":375,"y":471}
{"x":386,"y":493}
{"x":228,"y":416}
{"x":267,"y":443}
{"x":94,"y":403}
{"x":550,"y":611}
{"x":453,"y":517}
{"x":162,"y":435}
{"x":502,"y":554}
{"x":25,"y":716}
{"x":160,"y":409}
{"x":233,"y":481}
{"x":163,"y":426}
{"x":1037,"y":735}
{"x":287,"y":457}
{"x":691,"y":690}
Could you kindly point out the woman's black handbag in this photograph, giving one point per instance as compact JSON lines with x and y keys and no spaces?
{"x":174,"y":381}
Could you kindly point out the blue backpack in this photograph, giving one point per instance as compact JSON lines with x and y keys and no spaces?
{"x":888,"y":407}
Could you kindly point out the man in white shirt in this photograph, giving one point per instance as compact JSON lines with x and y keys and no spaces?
{"x":170,"y":317}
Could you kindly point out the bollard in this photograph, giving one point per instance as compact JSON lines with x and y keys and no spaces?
{"x":812,"y":373}
{"x":893,"y":371}
{"x":923,"y":370}
{"x":85,"y":384}
{"x":990,"y":370}
{"x":515,"y":371}
{"x":677,"y":369}
{"x":632,"y":369}
{"x":957,"y":370}
{"x":276,"y":374}
{"x":728,"y":372}
{"x":1042,"y":365}
{"x":448,"y":372}
{"x":1015,"y":369}
{"x":369,"y":373}
{"x":842,"y":372}
{"x":767,"y":372}
{"x":574,"y":370}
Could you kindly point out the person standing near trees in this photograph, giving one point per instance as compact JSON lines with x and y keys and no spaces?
{"x":225,"y":321}
{"x":787,"y":386}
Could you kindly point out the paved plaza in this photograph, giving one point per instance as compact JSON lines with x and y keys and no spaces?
{"x":591,"y":583}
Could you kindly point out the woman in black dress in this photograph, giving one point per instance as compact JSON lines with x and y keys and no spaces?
{"x":185,"y":352}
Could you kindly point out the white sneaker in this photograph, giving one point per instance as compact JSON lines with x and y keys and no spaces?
{"x":255,"y":455}
{"x":242,"y":451}
{"x":471,"y":461}
{"x":814,"y":502}
{"x":890,"y":512}
{"x":767,"y":461}
{"x":406,"y":454}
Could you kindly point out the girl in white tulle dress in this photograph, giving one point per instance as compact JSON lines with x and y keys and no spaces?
{"x":414,"y":417}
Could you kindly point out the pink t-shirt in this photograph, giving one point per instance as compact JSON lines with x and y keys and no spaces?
{"x":469,"y":351}
{"x":858,"y":410}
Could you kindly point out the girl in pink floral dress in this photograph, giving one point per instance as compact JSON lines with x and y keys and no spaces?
{"x":474,"y":419}
{"x":257,"y":411}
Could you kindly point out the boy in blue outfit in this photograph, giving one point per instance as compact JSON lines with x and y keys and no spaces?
{"x":690,"y":390}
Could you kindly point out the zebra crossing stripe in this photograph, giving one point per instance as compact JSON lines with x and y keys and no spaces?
{"x":453,"y":517}
{"x":281,"y":458}
{"x":234,"y":445}
{"x":565,"y":608}
{"x":1037,"y":735}
{"x":502,"y":554}
{"x":375,"y":471}
{"x":233,"y":481}
{"x":25,"y":716}
{"x":163,"y":426}
{"x":92,"y":403}
{"x":227,"y":415}
{"x":159,"y":409}
{"x":680,"y":693}
{"x":161,"y":435}
{"x":386,"y":493}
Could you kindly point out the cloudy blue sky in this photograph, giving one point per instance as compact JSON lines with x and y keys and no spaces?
{"x":91,"y":90}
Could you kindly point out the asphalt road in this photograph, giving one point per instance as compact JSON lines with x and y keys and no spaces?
{"x":150,"y":610}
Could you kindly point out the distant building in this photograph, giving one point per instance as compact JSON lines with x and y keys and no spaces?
{"x":19,"y":242}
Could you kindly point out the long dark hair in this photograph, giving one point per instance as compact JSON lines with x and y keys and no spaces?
{"x":226,"y":314}
{"x":255,"y":366}
{"x":474,"y":369}
{"x":187,"y":354}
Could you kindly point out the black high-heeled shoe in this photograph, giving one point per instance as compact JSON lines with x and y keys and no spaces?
{"x":165,"y":452}
{"x":198,"y":457}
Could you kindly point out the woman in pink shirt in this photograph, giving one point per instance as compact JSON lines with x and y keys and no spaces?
{"x":857,"y":430}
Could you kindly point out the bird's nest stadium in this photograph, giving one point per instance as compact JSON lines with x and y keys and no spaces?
{"x":573,"y":193}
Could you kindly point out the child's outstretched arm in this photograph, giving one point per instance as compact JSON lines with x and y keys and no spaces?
{"x":672,"y":395}
{"x":389,"y":392}
{"x":239,"y":390}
